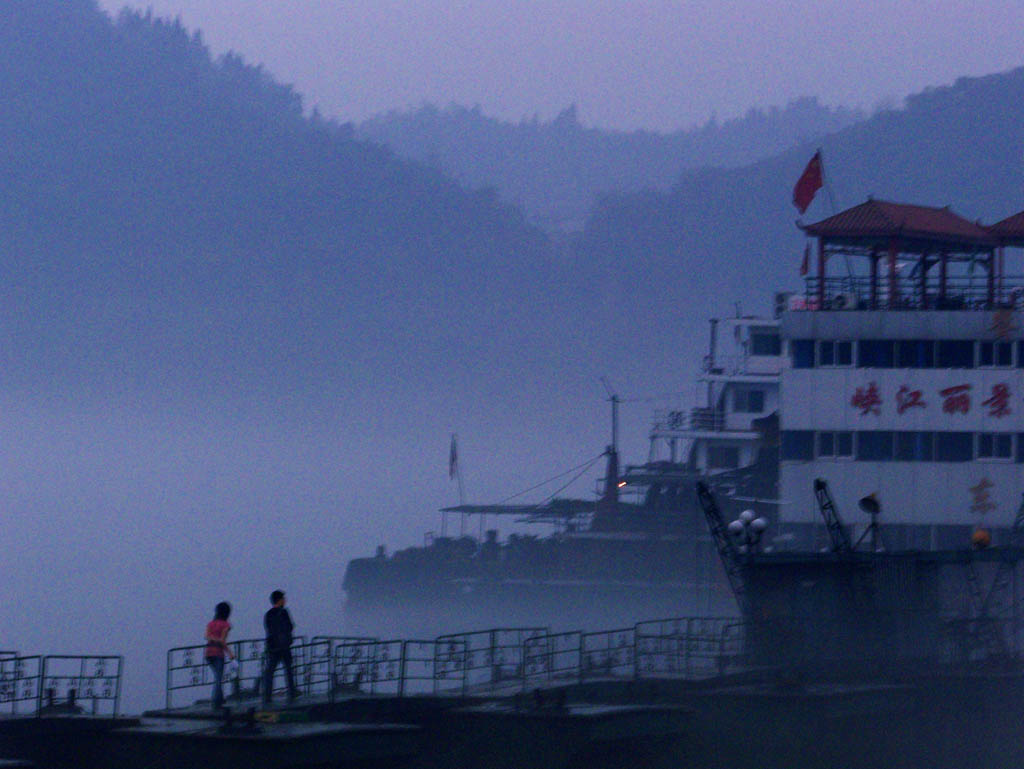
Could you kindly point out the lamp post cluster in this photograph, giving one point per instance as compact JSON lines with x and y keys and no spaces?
{"x":748,"y":530}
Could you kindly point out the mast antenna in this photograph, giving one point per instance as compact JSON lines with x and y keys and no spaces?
{"x":615,"y":412}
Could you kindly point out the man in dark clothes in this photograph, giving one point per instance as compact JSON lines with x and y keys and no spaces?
{"x":278,"y":625}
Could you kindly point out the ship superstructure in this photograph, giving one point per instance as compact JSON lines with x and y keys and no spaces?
{"x":738,"y":388}
{"x":906,"y":376}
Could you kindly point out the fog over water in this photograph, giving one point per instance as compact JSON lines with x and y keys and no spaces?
{"x":235,"y":343}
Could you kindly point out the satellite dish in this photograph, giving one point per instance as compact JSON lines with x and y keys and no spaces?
{"x":870,"y":504}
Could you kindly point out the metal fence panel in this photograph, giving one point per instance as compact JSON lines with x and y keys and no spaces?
{"x":70,"y":679}
{"x":552,"y":657}
{"x":187,"y":669}
{"x":494,"y":656}
{"x":368,"y":667}
{"x":21,"y":684}
{"x":608,"y":654}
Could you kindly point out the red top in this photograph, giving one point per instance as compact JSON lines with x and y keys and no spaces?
{"x":882,"y":219}
{"x":218,"y":628}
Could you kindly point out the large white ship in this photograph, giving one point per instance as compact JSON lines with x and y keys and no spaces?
{"x":901,"y":376}
{"x":906,"y":377}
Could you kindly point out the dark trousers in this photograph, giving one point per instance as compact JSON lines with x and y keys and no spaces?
{"x":217,"y":665}
{"x":274,"y":658}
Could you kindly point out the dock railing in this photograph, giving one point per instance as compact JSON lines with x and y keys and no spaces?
{"x":690,"y":647}
{"x":21,"y":686}
{"x":552,"y":657}
{"x":187,"y":668}
{"x":608,"y":654}
{"x":61,"y":684}
{"x":399,"y":668}
{"x":494,"y":657}
{"x":70,"y":679}
{"x":480,"y":662}
{"x":509,"y":660}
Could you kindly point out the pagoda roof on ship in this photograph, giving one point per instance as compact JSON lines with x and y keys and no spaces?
{"x":920,"y":229}
{"x":1009,"y":231}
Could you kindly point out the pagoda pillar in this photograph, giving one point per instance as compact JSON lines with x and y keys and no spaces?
{"x":923,"y":281}
{"x":943,"y":266}
{"x":821,"y":273}
{"x":874,"y":278}
{"x":893,"y":287}
{"x":992,"y":279}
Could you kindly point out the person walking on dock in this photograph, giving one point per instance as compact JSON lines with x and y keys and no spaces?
{"x":278,"y":624}
{"x":217,"y":649}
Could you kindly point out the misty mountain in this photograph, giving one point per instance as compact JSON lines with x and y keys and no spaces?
{"x":720,"y":236}
{"x":166,"y":215}
{"x":557,"y":169}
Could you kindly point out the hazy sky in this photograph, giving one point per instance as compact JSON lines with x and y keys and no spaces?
{"x":643,"y":64}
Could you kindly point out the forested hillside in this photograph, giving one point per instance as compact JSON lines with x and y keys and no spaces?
{"x":557,"y":169}
{"x":171,"y":214}
{"x":730,"y":234}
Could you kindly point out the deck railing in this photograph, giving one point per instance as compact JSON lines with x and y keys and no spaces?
{"x":907,"y":293}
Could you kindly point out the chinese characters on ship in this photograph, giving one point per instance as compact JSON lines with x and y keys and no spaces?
{"x":956,"y":399}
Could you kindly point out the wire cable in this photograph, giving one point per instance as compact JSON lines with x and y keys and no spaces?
{"x":583,"y":467}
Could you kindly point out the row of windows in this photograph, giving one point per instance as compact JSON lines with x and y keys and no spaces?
{"x":898,"y":446}
{"x":905,"y":353}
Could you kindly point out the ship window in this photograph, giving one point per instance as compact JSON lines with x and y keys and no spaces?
{"x":1020,"y":447}
{"x":723,"y":457}
{"x":916,"y":353}
{"x":748,"y":401}
{"x":875,"y":353}
{"x":995,"y":445}
{"x":995,"y":354}
{"x":835,"y":444}
{"x":798,"y":445}
{"x":832,"y":353}
{"x":1004,"y":354}
{"x":765,"y":342}
{"x":826,"y":353}
{"x":914,"y":447}
{"x":1020,"y":354}
{"x":954,"y":447}
{"x":956,"y":353}
{"x":803,"y":353}
{"x":844,"y":353}
{"x":874,"y":445}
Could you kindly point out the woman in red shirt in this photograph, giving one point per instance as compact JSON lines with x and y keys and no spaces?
{"x":217,"y":649}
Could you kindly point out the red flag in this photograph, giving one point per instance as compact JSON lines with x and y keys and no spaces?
{"x":805,"y":265}
{"x":453,"y":459}
{"x":810,"y":182}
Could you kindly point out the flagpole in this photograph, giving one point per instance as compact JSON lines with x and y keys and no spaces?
{"x":824,"y":180}
{"x":835,"y":210}
{"x":462,"y":492}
